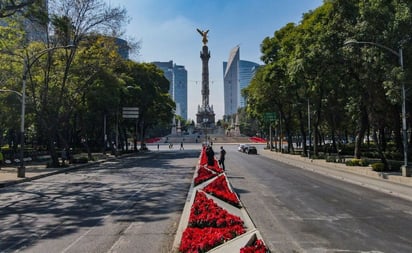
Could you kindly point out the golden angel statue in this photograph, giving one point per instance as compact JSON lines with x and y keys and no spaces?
{"x":204,"y":35}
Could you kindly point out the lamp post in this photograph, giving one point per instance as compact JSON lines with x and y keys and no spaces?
{"x":27,"y":63}
{"x":399,"y":54}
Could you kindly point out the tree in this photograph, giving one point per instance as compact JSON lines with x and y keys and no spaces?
{"x":55,"y":90}
{"x":148,"y":90}
{"x":10,"y":7}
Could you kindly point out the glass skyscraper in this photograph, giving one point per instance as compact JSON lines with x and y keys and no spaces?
{"x":236,"y":76}
{"x":177,"y":76}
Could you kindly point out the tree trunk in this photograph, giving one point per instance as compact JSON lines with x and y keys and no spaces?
{"x":363,"y":126}
{"x":380,"y":152}
{"x":53,"y":154}
{"x":302,"y":132}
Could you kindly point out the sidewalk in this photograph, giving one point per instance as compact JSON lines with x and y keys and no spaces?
{"x":391,"y":183}
{"x":8,"y":174}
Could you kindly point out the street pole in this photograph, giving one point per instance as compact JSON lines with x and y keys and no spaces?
{"x":404,"y":130}
{"x":309,"y":137}
{"x":21,"y":172}
{"x":270,"y":135}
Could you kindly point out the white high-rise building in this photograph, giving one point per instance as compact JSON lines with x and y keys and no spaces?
{"x":236,"y":76}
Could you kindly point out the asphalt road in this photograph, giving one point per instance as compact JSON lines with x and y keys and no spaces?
{"x":300,"y":211}
{"x":128,"y":205}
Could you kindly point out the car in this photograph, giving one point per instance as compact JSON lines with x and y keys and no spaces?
{"x":241,"y":148}
{"x":251,"y":150}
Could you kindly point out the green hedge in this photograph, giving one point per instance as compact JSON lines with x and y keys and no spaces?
{"x":357,"y":162}
{"x":378,"y":166}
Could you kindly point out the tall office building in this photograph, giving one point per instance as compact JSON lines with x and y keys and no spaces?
{"x":167,"y":68}
{"x":177,"y":76}
{"x":247,"y":70}
{"x":237,"y":75}
{"x":180,"y":89}
{"x":231,"y":82}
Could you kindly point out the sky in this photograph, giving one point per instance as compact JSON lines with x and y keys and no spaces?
{"x":166,"y":30}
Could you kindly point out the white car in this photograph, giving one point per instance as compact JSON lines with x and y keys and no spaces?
{"x":241,"y":148}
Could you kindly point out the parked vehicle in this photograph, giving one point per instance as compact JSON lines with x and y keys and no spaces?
{"x":250,"y":150}
{"x":241,"y":148}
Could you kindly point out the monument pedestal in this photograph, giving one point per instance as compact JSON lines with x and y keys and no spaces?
{"x":205,"y":118}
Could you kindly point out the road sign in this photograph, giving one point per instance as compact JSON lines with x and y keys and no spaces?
{"x":130,"y":112}
{"x":269,"y":116}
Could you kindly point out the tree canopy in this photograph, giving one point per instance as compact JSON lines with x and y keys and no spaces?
{"x":340,"y":92}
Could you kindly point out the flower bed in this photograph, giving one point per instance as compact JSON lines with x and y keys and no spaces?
{"x":203,"y":162}
{"x":204,"y":174}
{"x":214,"y":219}
{"x":203,"y":157}
{"x":257,"y":139}
{"x":206,"y":213}
{"x":209,"y":226}
{"x":215,"y":167}
{"x":220,"y":189}
{"x":257,"y":247}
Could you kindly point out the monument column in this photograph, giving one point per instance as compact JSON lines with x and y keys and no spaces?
{"x":205,"y":116}
{"x":205,"y":56}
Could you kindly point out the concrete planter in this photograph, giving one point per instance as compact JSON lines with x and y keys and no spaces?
{"x":233,"y":245}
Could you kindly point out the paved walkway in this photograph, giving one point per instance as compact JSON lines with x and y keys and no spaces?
{"x":8,"y":174}
{"x":392,"y":183}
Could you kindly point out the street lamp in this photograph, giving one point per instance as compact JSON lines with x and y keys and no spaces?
{"x":27,"y":63}
{"x":399,"y":54}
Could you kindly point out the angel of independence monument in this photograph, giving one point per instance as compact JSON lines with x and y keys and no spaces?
{"x":205,"y":116}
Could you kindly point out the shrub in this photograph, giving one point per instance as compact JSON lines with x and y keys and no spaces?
{"x":331,"y":159}
{"x":357,"y":162}
{"x":378,"y":166}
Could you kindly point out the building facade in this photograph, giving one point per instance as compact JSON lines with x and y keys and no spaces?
{"x":237,"y":75}
{"x":177,"y":76}
{"x":247,"y":70}
{"x":180,"y":90}
{"x":231,"y":82}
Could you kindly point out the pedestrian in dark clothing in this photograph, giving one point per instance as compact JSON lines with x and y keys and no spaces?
{"x":222,"y":158}
{"x":210,"y":156}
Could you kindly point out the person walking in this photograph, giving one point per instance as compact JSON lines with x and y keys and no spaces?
{"x":222,"y":157}
{"x":181,"y":146}
{"x":210,"y":156}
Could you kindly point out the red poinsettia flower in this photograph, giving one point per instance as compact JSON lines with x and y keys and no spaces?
{"x":209,"y":226}
{"x":220,"y":189}
{"x":257,"y":247}
{"x":206,"y":213}
{"x":204,"y":174}
{"x":203,"y":157}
